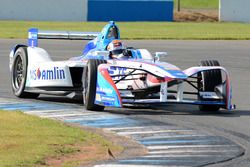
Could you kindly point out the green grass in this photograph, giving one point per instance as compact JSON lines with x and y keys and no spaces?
{"x":163,"y":30}
{"x":198,"y":4}
{"x":27,"y":140}
{"x":137,"y":30}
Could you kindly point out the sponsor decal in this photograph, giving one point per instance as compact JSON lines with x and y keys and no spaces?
{"x":117,"y":71}
{"x":105,"y":90}
{"x":104,"y":100}
{"x":209,"y":95}
{"x":98,"y":97}
{"x":32,"y":35}
{"x":47,"y":74}
{"x":108,"y":99}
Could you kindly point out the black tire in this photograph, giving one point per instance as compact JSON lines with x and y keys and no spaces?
{"x":19,"y":74}
{"x":89,"y":85}
{"x":207,"y":81}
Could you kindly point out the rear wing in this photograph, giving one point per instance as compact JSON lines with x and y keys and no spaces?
{"x":34,"y":34}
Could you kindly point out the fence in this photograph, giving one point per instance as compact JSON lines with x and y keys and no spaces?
{"x":130,"y":10}
{"x":44,"y":10}
{"x":235,"y":10}
{"x":87,"y":10}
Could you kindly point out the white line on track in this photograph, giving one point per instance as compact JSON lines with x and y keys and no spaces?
{"x":177,"y":156}
{"x":161,"y":147}
{"x":169,"y":136}
{"x":124,"y":165}
{"x":9,"y":103}
{"x":136,"y":127}
{"x":59,"y":113}
{"x":43,"y":111}
{"x":153,"y":132}
{"x":161,"y":152}
{"x":89,"y":118}
{"x":63,"y":115}
{"x":4,"y":100}
{"x":125,"y":128}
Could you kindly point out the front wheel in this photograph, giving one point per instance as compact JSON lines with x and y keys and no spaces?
{"x":19,"y":74}
{"x":207,"y":81}
{"x":89,"y":81}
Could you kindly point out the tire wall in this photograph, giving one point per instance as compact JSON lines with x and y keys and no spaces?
{"x":234,"y":10}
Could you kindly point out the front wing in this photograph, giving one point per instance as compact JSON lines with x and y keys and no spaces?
{"x":107,"y":93}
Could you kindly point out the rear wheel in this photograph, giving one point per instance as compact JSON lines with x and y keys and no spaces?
{"x":89,"y":81}
{"x":207,"y":81}
{"x":19,"y":74}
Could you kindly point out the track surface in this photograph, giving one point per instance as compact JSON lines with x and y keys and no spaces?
{"x":234,"y":55}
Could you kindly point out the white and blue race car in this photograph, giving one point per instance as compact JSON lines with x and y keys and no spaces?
{"x":100,"y":80}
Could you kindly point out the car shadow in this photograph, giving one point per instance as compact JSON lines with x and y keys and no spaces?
{"x":180,"y":109}
{"x":59,"y":99}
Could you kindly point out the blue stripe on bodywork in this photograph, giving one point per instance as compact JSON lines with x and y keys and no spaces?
{"x":177,"y":73}
{"x":91,"y":45}
{"x":31,"y":106}
{"x":139,"y":56}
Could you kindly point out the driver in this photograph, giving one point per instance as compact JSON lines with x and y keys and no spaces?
{"x":117,"y":50}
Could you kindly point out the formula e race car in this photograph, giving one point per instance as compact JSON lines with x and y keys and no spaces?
{"x":101,"y":80}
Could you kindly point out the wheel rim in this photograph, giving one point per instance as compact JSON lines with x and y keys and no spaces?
{"x":18,"y":72}
{"x":85,"y":89}
{"x":200,"y":82}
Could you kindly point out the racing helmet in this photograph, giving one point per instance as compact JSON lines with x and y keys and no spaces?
{"x":116,"y":49}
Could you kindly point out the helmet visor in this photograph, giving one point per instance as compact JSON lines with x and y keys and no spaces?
{"x":116,"y":52}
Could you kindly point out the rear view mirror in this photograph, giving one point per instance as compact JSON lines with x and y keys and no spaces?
{"x":158,"y":55}
{"x":103,"y":54}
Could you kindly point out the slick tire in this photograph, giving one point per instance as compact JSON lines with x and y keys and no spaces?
{"x":89,"y":85}
{"x":19,"y":74}
{"x":208,"y":81}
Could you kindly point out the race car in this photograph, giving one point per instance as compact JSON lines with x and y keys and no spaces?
{"x":101,"y":80}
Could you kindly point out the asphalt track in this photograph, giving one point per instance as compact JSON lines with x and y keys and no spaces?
{"x":233,"y":55}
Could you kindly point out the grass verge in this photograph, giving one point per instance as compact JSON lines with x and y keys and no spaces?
{"x":198,"y":4}
{"x":137,"y":30}
{"x":31,"y":141}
